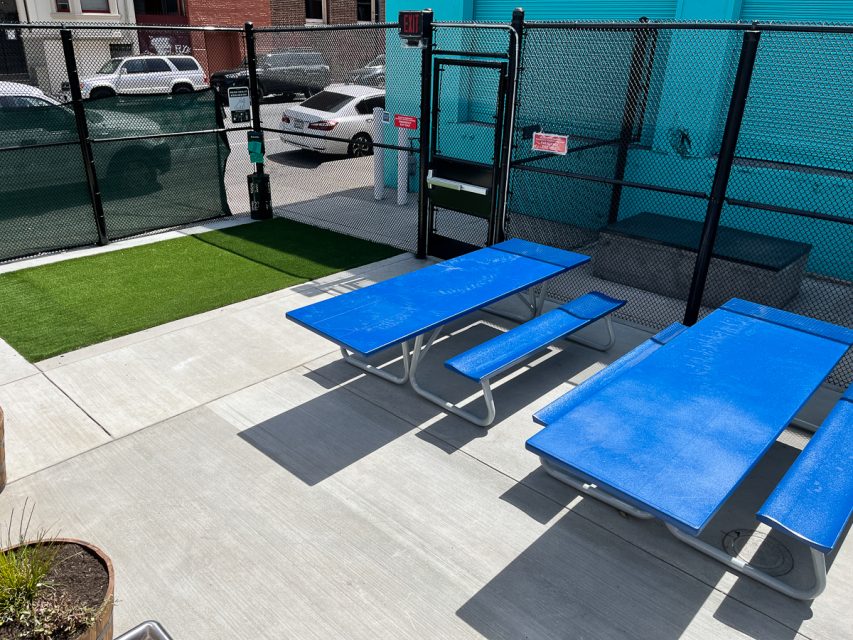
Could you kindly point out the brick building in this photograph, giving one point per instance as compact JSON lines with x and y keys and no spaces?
{"x":217,"y":51}
{"x":214,"y":50}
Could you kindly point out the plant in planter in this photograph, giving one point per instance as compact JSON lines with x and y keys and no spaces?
{"x":54,"y":588}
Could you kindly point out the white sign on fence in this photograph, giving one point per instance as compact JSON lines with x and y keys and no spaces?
{"x":239,"y":103}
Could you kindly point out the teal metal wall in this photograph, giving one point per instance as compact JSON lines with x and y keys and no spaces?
{"x":798,"y":124}
{"x":498,"y":10}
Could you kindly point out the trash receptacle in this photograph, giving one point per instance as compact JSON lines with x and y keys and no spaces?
{"x":260,"y":204}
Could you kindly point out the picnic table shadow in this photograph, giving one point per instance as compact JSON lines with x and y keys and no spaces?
{"x":360,"y":413}
{"x":553,"y":585}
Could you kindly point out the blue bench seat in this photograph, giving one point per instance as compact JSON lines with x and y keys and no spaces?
{"x":484,"y":361}
{"x":508,"y":349}
{"x":814,"y":500}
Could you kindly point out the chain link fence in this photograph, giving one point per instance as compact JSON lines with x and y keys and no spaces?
{"x":112,"y":132}
{"x":333,"y":162}
{"x":141,"y":138}
{"x":644,"y":108}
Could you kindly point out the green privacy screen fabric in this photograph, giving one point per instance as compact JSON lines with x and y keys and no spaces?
{"x":149,"y":182}
{"x":157,"y":182}
{"x":44,"y":200}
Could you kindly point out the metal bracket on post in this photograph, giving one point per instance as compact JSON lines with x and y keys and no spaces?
{"x":728,"y":146}
{"x":508,"y":144}
{"x":83,"y":134}
{"x":424,"y":217}
{"x":259,"y":191}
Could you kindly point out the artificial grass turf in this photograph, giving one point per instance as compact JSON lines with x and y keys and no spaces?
{"x":56,"y":308}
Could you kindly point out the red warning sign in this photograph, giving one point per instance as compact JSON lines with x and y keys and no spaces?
{"x":405,"y":122}
{"x":550,"y":143}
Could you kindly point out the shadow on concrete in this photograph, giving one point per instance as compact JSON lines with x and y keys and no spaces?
{"x":543,"y":498}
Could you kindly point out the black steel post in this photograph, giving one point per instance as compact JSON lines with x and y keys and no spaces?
{"x":424,"y":221}
{"x":629,"y":114}
{"x":252,"y":63}
{"x":83,"y":134}
{"x":498,"y":233}
{"x":259,"y":189}
{"x":728,"y":146}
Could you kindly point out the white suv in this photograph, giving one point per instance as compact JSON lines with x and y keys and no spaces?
{"x":145,"y":74}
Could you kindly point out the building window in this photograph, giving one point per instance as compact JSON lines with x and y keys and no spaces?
{"x":159,"y":7}
{"x":364,"y":10}
{"x":121,"y":50}
{"x":314,"y":10}
{"x":95,"y":6}
{"x":63,"y":6}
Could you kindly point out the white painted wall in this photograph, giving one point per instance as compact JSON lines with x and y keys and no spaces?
{"x":45,"y":11}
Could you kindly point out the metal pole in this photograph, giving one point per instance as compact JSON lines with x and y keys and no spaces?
{"x":513,"y":73}
{"x":721,"y":176}
{"x":629,"y":112}
{"x":378,"y":155}
{"x":83,"y":135}
{"x":424,"y":222}
{"x":402,"y":168}
{"x":252,"y":62}
{"x":259,"y":184}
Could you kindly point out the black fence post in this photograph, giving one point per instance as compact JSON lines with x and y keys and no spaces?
{"x":629,"y":114}
{"x":424,"y":222}
{"x":83,"y":134}
{"x":513,"y":73}
{"x":728,"y":146}
{"x":259,"y":183}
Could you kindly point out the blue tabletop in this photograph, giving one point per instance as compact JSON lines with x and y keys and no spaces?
{"x":388,"y":313}
{"x":677,"y":432}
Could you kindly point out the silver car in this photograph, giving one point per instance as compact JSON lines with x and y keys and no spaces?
{"x":145,"y":74}
{"x":28,"y":118}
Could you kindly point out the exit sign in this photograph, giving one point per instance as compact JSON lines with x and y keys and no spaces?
{"x":411,"y":24}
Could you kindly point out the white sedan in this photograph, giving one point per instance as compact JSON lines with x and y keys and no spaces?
{"x":340,"y":111}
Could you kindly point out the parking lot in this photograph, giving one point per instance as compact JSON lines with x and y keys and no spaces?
{"x":333,"y":191}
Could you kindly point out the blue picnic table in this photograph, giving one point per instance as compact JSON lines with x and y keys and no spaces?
{"x":409,"y":311}
{"x":673,"y":429}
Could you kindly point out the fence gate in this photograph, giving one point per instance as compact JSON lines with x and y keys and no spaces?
{"x":464,"y":176}
{"x":464,"y":180}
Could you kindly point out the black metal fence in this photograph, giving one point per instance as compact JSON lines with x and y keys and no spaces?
{"x":703,"y":161}
{"x":117,"y":130}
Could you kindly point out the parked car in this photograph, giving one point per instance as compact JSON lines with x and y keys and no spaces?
{"x":372,"y":74}
{"x":280,"y":72}
{"x":340,"y":111}
{"x":145,"y":74}
{"x":29,"y":117}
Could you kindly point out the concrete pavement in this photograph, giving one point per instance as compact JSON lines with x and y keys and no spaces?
{"x":249,"y":484}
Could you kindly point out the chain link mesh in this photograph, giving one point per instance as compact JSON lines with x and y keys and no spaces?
{"x":647,"y":108}
{"x":795,"y":151}
{"x":46,"y":203}
{"x":322,"y":155}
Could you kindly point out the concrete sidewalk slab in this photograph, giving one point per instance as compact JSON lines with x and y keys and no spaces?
{"x":43,"y":426}
{"x":13,"y":366}
{"x":137,"y":381}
